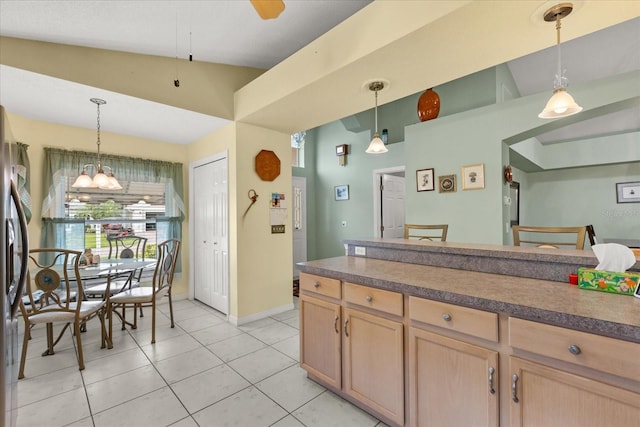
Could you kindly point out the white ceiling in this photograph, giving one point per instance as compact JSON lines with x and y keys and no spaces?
{"x":231,"y":32}
{"x":221,"y":31}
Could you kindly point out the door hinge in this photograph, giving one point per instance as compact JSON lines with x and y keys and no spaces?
{"x":381,"y":228}
{"x":381,"y":187}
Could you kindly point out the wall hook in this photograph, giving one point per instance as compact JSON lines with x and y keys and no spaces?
{"x":253,"y":196}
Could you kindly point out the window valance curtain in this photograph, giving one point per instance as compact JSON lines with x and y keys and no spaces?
{"x":23,"y":172}
{"x":60,"y":163}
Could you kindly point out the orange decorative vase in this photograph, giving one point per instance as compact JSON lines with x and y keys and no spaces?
{"x":428,"y":105}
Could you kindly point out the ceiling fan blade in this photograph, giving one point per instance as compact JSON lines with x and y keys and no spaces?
{"x":268,"y":9}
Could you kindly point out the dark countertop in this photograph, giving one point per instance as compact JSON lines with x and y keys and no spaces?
{"x":551,"y":302}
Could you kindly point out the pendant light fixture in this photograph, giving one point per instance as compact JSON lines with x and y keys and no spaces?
{"x":376,"y":146}
{"x":561,"y":103}
{"x":101,"y":179}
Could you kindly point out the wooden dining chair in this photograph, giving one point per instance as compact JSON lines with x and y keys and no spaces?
{"x":426,"y":232}
{"x":549,"y":237}
{"x":149,"y":294}
{"x":54,"y":295}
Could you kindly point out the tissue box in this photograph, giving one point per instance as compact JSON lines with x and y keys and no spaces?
{"x":608,"y":281}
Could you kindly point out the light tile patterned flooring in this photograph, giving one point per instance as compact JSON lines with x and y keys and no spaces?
{"x":204,"y":372}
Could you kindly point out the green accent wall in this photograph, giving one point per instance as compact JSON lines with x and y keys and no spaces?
{"x":482,"y":116}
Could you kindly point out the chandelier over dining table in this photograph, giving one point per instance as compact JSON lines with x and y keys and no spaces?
{"x":102,"y":180}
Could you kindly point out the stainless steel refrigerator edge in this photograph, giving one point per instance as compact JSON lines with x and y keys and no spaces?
{"x":13,"y":253}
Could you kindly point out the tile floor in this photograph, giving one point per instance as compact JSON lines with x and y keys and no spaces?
{"x":204,"y":372}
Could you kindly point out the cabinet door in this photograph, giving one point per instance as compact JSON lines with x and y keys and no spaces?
{"x":373,"y":363}
{"x":452,"y":383}
{"x":550,"y":397}
{"x":320,"y":339}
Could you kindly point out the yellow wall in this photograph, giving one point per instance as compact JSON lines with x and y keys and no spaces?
{"x":38,"y":135}
{"x":260,"y":263}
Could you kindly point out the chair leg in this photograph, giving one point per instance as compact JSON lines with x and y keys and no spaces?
{"x":153,"y":321}
{"x":79,"y":343}
{"x":27,"y":337}
{"x":171,"y":307}
{"x":110,"y":311}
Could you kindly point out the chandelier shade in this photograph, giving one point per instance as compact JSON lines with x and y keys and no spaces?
{"x":101,"y":179}
{"x":376,"y":146}
{"x":561,"y":103}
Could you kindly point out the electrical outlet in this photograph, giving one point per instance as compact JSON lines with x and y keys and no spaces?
{"x":361,"y":251}
{"x":507,"y":227}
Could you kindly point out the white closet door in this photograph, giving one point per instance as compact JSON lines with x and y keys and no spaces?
{"x":211,"y":235}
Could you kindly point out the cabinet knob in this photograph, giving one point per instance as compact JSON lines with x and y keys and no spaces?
{"x":574,"y":349}
{"x":316,"y":284}
{"x":447,"y":317}
{"x":368,"y":298}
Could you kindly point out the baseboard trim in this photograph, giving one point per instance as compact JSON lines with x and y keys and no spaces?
{"x":261,"y":315}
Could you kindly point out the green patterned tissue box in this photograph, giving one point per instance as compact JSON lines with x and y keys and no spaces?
{"x":607,"y":281}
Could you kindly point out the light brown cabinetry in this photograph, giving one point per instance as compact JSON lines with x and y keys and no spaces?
{"x":452,"y":382}
{"x":546,"y":395}
{"x":354,"y":344}
{"x":320,"y":339}
{"x":373,"y":350}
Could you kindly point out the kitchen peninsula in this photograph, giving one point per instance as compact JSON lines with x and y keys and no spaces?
{"x":430,"y":333}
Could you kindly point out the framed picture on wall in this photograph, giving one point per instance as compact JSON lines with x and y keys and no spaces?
{"x":628,"y":192}
{"x":447,"y":184}
{"x":473,"y":177}
{"x":342,"y":192}
{"x":424,"y":180}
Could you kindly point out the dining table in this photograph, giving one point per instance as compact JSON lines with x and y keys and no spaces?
{"x":103,"y":270}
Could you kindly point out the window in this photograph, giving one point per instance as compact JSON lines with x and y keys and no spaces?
{"x":132,"y":211}
{"x":150,"y":203}
{"x":297,"y":149}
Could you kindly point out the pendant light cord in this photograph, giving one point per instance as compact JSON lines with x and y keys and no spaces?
{"x":376,"y":113}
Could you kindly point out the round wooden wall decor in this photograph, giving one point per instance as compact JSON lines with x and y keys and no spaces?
{"x":267,"y":165}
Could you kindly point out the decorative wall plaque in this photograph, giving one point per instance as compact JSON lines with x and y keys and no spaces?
{"x":267,"y":165}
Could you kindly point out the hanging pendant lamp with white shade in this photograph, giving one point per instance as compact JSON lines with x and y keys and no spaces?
{"x":561,"y":103}
{"x":101,"y":179}
{"x":376,"y":146}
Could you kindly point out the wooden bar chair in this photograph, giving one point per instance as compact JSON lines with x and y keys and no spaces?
{"x":549,"y":237}
{"x":426,"y":232}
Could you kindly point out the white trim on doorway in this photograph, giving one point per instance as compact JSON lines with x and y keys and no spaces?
{"x":377,"y":203}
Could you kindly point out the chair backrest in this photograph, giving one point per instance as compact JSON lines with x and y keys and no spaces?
{"x":544,"y":236}
{"x":426,"y":232}
{"x":168,"y":252}
{"x":127,"y":247}
{"x":54,"y":284}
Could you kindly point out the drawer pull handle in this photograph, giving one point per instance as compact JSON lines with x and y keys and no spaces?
{"x":346,"y":322}
{"x":514,"y":388}
{"x":335,"y":325}
{"x":491,"y":372}
{"x":447,"y":317}
{"x":316,"y":284}
{"x":368,"y":298}
{"x":574,"y":349}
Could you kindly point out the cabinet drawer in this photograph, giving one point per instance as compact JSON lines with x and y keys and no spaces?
{"x":320,"y":285}
{"x":478,"y":323}
{"x":593,"y":351}
{"x":378,"y":299}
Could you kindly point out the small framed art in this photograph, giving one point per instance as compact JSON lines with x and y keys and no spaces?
{"x":473,"y":177}
{"x":447,"y":184}
{"x":424,"y":180}
{"x":342,"y":192}
{"x":628,"y":192}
